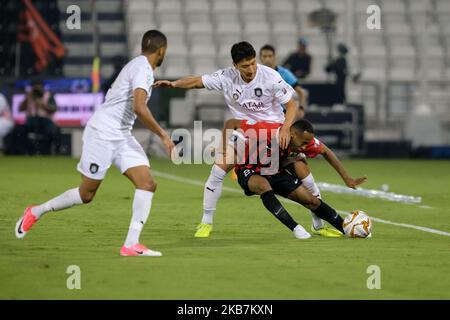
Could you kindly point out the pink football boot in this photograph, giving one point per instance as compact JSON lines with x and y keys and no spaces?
{"x":25,"y":223}
{"x":138,"y":250}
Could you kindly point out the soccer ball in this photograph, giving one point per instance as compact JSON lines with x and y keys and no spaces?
{"x":357,"y":225}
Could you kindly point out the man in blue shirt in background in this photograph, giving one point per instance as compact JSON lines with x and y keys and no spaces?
{"x":267,"y":58}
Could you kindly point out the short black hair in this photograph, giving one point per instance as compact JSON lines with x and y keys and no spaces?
{"x":242,"y":51}
{"x":267,"y":47}
{"x":152,"y":41}
{"x":303,"y":125}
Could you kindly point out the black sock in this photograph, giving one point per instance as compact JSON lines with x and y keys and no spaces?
{"x":330,"y":215}
{"x":273,"y":205}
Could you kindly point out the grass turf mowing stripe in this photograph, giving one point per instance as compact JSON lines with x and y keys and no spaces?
{"x":201,"y":184}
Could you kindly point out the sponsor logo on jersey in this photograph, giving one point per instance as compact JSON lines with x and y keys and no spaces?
{"x":236,"y":95}
{"x":252,"y":105}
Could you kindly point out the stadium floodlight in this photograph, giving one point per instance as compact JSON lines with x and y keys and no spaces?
{"x":325,"y":19}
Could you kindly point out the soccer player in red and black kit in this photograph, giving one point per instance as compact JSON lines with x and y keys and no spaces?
{"x":253,"y":177}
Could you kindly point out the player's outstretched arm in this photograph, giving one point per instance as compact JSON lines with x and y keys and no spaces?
{"x":334,"y":161}
{"x":146,"y":117}
{"x":191,"y":82}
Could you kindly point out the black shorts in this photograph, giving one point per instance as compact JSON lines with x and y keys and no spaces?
{"x":282,"y":183}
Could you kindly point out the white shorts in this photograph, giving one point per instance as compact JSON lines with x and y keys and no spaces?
{"x":98,"y":155}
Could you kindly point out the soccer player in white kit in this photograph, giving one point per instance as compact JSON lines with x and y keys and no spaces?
{"x":252,"y":92}
{"x":107,"y":139}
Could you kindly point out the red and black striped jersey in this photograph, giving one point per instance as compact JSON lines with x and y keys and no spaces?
{"x":258,"y":144}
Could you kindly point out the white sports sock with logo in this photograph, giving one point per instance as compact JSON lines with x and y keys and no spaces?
{"x":142,"y":204}
{"x":311,"y":185}
{"x":212,"y":192}
{"x":63,"y":201}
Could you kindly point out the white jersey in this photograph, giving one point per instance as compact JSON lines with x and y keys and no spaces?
{"x":114,"y":119}
{"x":257,"y":100}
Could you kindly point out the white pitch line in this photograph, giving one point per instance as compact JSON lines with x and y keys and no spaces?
{"x":202,"y":183}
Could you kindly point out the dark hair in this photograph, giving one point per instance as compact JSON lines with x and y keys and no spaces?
{"x":267,"y":47}
{"x":242,"y":51}
{"x":303,"y":125}
{"x":342,"y":48}
{"x":152,"y":41}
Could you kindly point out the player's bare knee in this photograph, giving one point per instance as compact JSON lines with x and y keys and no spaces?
{"x":259,"y":186}
{"x":313,"y":203}
{"x":87,"y":196}
{"x":149,"y":185}
{"x":301,"y":169}
{"x":224,"y":166}
{"x":259,"y":190}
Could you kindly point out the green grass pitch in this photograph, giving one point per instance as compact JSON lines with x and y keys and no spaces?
{"x":250,"y":254}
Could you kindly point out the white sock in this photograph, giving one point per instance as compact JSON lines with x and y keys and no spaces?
{"x":63,"y":201}
{"x":142,"y":204}
{"x":212,"y":192}
{"x":311,"y":185}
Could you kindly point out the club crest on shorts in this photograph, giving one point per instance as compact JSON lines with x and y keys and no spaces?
{"x":93,"y":168}
{"x":258,"y":92}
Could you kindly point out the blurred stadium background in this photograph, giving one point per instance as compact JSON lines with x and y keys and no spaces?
{"x":397,"y":105}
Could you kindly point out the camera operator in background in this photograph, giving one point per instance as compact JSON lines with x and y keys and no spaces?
{"x":40,"y":106}
{"x":339,"y":67}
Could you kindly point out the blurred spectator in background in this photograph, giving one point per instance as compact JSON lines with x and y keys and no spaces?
{"x":299,"y":62}
{"x":338,"y":66}
{"x":118,"y":62}
{"x":6,"y":120}
{"x":39,"y":128}
{"x":268,"y":58}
